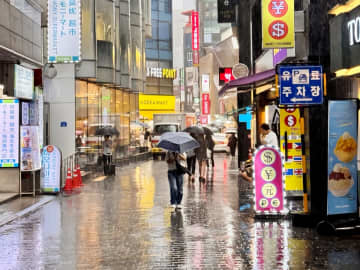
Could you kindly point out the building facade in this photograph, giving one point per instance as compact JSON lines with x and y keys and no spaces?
{"x":103,"y":88}
{"x":159,"y":55}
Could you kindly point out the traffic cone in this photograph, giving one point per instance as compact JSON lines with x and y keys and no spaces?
{"x":75,"y":179}
{"x":79,"y":175}
{"x":68,"y":182}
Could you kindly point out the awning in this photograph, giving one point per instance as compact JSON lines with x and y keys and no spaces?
{"x":257,"y":79}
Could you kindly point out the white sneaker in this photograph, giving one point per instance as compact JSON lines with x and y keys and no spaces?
{"x":173,"y":206}
{"x":178,"y":206}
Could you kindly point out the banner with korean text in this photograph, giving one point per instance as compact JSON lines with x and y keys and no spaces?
{"x":195,"y":31}
{"x":64,"y":25}
{"x":278,"y":24}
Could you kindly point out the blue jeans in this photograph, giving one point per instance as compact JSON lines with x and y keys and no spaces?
{"x":176,"y":187}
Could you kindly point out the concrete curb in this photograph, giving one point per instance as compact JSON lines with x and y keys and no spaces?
{"x":27,"y":210}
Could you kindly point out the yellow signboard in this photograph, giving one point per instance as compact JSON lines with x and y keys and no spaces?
{"x":156,"y":103}
{"x":278,"y":24}
{"x":290,"y":127}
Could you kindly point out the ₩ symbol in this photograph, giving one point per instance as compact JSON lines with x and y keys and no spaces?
{"x":278,"y":8}
{"x":278,"y":29}
{"x":290,"y":120}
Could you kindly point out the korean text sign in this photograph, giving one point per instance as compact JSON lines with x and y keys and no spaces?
{"x":269,"y":186}
{"x":9,"y":133}
{"x":205,"y":103}
{"x":50,"y":172}
{"x":342,"y":158}
{"x":278,"y":23}
{"x":64,"y":24}
{"x":301,"y":85}
{"x":195,"y":31}
{"x":290,"y":127}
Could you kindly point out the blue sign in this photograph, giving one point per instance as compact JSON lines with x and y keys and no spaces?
{"x":246,"y":118}
{"x":342,"y":163}
{"x":301,"y":85}
{"x":63,"y":124}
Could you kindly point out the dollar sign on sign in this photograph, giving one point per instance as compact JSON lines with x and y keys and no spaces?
{"x":278,"y":30}
{"x":291,"y":121}
{"x":268,"y":158}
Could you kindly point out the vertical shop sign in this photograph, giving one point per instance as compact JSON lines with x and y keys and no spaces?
{"x":195,"y":31}
{"x":30,"y":148}
{"x":290,"y":127}
{"x":205,"y":83}
{"x":25,"y":113}
{"x":205,"y":103}
{"x":50,"y":172}
{"x":204,"y":119}
{"x":342,"y":161}
{"x":278,"y":23}
{"x":9,"y":133}
{"x":64,"y":24}
{"x":268,"y":180}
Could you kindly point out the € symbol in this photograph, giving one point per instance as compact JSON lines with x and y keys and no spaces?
{"x":268,"y":157}
{"x":278,"y":29}
{"x":290,"y":120}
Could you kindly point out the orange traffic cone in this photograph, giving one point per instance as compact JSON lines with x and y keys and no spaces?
{"x":75,"y":179}
{"x":79,"y":175}
{"x":68,"y":182}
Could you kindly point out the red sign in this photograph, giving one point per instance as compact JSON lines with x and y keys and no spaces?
{"x":205,"y":104}
{"x":204,"y":119}
{"x":196,"y":58}
{"x":195,"y":31}
{"x":290,"y":120}
{"x":225,"y":75}
{"x":278,"y":8}
{"x":278,"y":29}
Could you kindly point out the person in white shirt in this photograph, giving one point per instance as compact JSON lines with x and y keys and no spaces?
{"x":267,"y":136}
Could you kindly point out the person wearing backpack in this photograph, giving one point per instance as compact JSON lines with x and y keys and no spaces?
{"x":175,"y":177}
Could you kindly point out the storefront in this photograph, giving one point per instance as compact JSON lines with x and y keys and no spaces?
{"x":98,"y":106}
{"x":153,"y":104}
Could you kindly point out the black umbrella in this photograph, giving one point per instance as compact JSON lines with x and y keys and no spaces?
{"x":179,"y":142}
{"x":107,"y":130}
{"x":208,"y":131}
{"x":195,"y":130}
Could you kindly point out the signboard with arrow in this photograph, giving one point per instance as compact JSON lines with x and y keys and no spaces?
{"x":301,"y":85}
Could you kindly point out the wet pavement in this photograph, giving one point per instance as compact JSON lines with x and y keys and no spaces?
{"x":124,"y":222}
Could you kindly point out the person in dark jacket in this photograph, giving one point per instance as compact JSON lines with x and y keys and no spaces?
{"x":232,"y":144}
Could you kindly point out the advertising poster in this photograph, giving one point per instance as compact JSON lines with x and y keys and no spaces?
{"x":9,"y":133}
{"x":50,"y":169}
{"x":290,"y":125}
{"x":269,"y":186}
{"x":23,"y":82}
{"x":30,"y":148}
{"x":342,"y":161}
{"x":278,"y":24}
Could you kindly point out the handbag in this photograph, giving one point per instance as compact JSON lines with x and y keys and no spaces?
{"x":181,"y":169}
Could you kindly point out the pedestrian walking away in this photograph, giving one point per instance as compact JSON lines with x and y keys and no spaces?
{"x":107,"y":153}
{"x":267,"y":136}
{"x":201,"y":156}
{"x":210,"y":146}
{"x":176,"y":178}
{"x":191,"y":164}
{"x":232,"y":144}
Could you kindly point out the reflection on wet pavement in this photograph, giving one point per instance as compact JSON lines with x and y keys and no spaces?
{"x":124,"y":222}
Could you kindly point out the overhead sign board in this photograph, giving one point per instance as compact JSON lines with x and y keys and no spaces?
{"x":342,"y":192}
{"x":268,"y":180}
{"x":301,"y":85}
{"x":9,"y":133}
{"x":23,"y":82}
{"x":226,"y":11}
{"x":64,"y":26}
{"x":277,"y":24}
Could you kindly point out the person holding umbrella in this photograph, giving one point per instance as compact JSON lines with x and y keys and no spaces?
{"x":107,"y":153}
{"x":177,"y":143}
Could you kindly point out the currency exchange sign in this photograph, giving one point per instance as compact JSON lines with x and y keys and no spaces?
{"x":268,"y":179}
{"x":277,"y":23}
{"x":301,"y":85}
